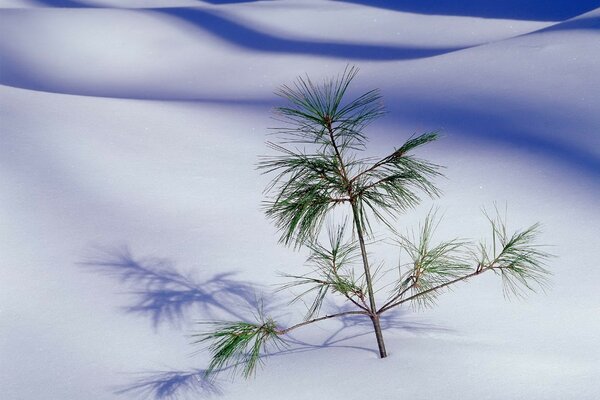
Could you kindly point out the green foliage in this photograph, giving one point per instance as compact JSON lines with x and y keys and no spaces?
{"x":313,"y":108}
{"x":238,"y":344}
{"x":306,"y":189}
{"x":516,"y":257}
{"x":333,"y":270}
{"x":392,"y":184}
{"x":310,"y":182}
{"x":432,"y":264}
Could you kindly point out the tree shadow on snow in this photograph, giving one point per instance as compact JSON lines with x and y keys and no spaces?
{"x":531,"y":10}
{"x":173,"y":384}
{"x":165,"y":295}
{"x":161,"y":385}
{"x":352,"y":327}
{"x":160,"y":292}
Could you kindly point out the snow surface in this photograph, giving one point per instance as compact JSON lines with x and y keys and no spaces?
{"x":130,"y":206}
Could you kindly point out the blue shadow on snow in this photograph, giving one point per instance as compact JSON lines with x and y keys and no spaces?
{"x":490,"y":124}
{"x":165,"y":295}
{"x":253,"y":39}
{"x":161,"y":385}
{"x":531,"y":10}
{"x":590,"y":23}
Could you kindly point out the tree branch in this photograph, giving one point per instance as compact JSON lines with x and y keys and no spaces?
{"x":399,"y":295}
{"x":339,"y":200}
{"x":398,"y":153}
{"x":286,"y":330}
{"x":443,"y":285}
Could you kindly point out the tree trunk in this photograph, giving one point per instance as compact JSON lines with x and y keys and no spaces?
{"x":363,"y":250}
{"x":373,"y":307}
{"x":379,"y":336}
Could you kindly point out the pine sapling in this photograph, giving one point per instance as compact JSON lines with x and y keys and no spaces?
{"x":318,"y":169}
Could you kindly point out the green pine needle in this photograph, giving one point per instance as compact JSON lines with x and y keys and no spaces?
{"x":516,"y":257}
{"x":312,"y":180}
{"x":238,"y":345}
{"x":432,"y":265}
{"x":312,"y":106}
{"x":333,"y":270}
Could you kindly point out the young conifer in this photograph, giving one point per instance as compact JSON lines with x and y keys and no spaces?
{"x":318,"y":168}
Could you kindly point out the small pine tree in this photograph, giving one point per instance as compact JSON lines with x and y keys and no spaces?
{"x":318,"y":169}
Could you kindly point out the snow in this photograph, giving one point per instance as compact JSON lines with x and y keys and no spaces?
{"x":129,"y":135}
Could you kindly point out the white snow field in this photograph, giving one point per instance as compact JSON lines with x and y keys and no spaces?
{"x":130,"y":206}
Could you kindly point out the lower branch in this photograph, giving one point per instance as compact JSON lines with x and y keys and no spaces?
{"x":286,"y":330}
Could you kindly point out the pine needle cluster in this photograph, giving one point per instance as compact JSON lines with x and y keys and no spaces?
{"x":238,"y":345}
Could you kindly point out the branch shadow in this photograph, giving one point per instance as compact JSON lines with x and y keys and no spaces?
{"x":165,"y":295}
{"x":392,"y":321}
{"x":163,"y":385}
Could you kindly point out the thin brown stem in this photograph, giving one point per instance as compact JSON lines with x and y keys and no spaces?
{"x":370,"y":185}
{"x":338,"y":155}
{"x":356,"y":303}
{"x":346,"y":295}
{"x":374,"y":316}
{"x":481,"y":268}
{"x":359,"y":231}
{"x":339,"y":200}
{"x":363,"y":252}
{"x":326,"y":283}
{"x":374,"y":166}
{"x":443,"y":285}
{"x":399,"y":295}
{"x":311,"y":321}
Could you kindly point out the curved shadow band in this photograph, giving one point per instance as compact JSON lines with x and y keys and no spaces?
{"x":530,"y":10}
